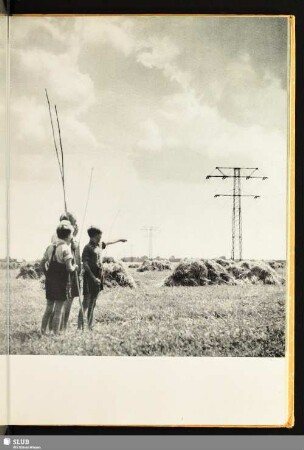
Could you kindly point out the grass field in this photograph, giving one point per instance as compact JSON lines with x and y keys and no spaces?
{"x":156,"y":320}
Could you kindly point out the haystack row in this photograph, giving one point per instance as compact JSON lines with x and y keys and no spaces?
{"x":211,"y":272}
{"x":114,"y":272}
{"x":159,"y":265}
{"x":30,"y":271}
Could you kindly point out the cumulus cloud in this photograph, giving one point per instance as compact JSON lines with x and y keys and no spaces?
{"x":78,"y":136}
{"x":187,"y":132}
{"x":36,"y":67}
{"x":157,"y":52}
{"x":237,"y":65}
{"x":161,"y":53}
{"x":154,"y":103}
{"x":60,"y":73}
{"x":115,"y":32}
{"x":200,"y":116}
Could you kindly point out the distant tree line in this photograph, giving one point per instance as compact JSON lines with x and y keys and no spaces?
{"x":139,"y":259}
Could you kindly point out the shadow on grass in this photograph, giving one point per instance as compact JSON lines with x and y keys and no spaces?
{"x":23,"y":336}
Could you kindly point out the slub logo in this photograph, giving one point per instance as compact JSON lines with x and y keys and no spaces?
{"x":6,"y":441}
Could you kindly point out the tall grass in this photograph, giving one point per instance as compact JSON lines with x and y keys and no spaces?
{"x":155,"y":320}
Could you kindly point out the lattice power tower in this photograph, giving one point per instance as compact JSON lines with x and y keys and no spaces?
{"x":237,"y":173}
{"x":150,"y":230}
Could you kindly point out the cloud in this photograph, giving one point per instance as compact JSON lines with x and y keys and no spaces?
{"x":116,"y":32}
{"x":60,"y":74}
{"x":154,"y":104}
{"x":152,"y":140}
{"x":92,"y":91}
{"x":78,"y":137}
{"x":161,"y":53}
{"x":34,"y":33}
{"x":37,"y":67}
{"x":187,"y":134}
{"x":157,"y":52}
{"x":245,"y":99}
{"x":30,"y":118}
{"x":237,"y":65}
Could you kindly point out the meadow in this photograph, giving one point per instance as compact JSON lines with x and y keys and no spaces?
{"x":153,"y":320}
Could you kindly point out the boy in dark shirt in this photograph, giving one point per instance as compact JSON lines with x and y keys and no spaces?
{"x":92,"y":278}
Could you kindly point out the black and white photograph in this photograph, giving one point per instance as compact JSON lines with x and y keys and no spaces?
{"x":149,"y":181}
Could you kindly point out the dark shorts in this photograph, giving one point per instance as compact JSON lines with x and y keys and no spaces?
{"x":56,"y":289}
{"x":57,"y":280}
{"x":90,"y":288}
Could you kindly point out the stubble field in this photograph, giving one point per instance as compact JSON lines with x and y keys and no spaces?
{"x":152,"y":320}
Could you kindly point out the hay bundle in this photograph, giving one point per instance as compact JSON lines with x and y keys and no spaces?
{"x":115,"y":274}
{"x":146,"y":265}
{"x":133,"y":266}
{"x":223,"y":262}
{"x":108,"y":259}
{"x":262,"y":273}
{"x":257,"y":272}
{"x":217,"y":274}
{"x":28,"y":271}
{"x":277,"y":264}
{"x":238,"y":270}
{"x":159,"y":265}
{"x":244,"y":264}
{"x":210,"y":272}
{"x":188,"y":273}
{"x":38,"y":268}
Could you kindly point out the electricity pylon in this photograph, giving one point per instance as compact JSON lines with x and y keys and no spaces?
{"x":237,"y":173}
{"x":151,"y":230}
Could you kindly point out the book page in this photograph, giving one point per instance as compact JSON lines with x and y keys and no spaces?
{"x":152,"y":173}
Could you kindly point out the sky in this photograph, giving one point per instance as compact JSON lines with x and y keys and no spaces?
{"x":153,"y":105}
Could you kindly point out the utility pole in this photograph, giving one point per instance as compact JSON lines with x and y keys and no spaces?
{"x":131,"y":248}
{"x":151,"y":230}
{"x":237,"y":174}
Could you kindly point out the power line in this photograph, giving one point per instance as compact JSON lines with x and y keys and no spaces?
{"x":237,"y":174}
{"x":151,"y":231}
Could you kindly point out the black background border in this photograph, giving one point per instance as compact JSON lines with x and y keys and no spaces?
{"x":268,"y":7}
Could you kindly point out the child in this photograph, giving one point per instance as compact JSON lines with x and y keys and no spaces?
{"x":73,"y":282}
{"x":92,"y":278}
{"x":69,"y":219}
{"x":58,"y":263}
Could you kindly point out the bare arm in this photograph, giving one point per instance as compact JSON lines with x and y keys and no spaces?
{"x":70,"y":266}
{"x":114,"y":242}
{"x":42,"y":262}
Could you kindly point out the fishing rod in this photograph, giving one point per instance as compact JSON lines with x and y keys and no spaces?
{"x":62,"y":175}
{"x":60,"y":163}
